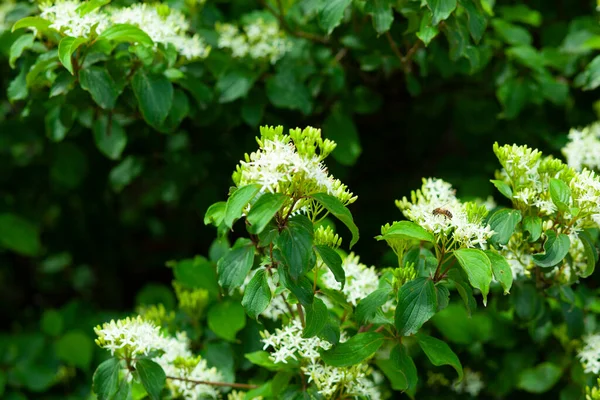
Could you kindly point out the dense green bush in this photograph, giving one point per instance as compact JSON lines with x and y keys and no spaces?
{"x":120,"y":129}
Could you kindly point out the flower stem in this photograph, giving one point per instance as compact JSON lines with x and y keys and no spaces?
{"x":223,"y":384}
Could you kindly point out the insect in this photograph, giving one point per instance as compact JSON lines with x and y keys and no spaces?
{"x":442,"y":211}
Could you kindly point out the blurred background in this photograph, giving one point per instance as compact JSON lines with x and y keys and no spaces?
{"x":85,"y":237}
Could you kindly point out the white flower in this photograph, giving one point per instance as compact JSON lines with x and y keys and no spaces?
{"x":65,"y":18}
{"x":288,"y":342}
{"x":360,"y":279}
{"x":471,"y":383}
{"x":354,"y":380}
{"x":583,"y":149}
{"x":464,"y":220}
{"x":589,"y":355}
{"x":260,"y":40}
{"x":131,"y":336}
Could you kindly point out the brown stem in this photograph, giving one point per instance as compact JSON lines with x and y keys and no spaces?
{"x":404,"y":59}
{"x":223,"y":384}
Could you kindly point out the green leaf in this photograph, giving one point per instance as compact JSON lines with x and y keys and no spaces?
{"x":22,"y":43}
{"x":335,"y":207}
{"x":591,"y":253}
{"x":66,"y":47}
{"x":234,"y":267}
{"x":263,"y":211}
{"x":257,"y":294}
{"x":331,"y":14}
{"x":503,"y":187}
{"x":441,"y":9}
{"x":302,"y":288}
{"x":503,"y":222}
{"x":52,"y":323}
{"x":333,"y":261}
{"x":340,"y":128}
{"x":125,"y":172}
{"x":154,"y":93}
{"x":560,"y":194}
{"x":540,"y":378}
{"x":215,"y":214}
{"x":512,"y":34}
{"x":234,"y":84}
{"x":196,"y":273}
{"x":555,"y":250}
{"x":464,"y":289}
{"x":120,"y":33}
{"x":381,"y":13}
{"x":17,"y":88}
{"x":400,"y":369}
{"x":513,"y":94}
{"x":110,"y":137}
{"x":262,"y":359}
{"x":476,"y":17}
{"x":89,"y":6}
{"x":295,"y":243}
{"x":439,"y":353}
{"x":98,"y":82}
{"x":353,"y":351}
{"x":285,"y":90}
{"x":407,"y":230}
{"x":35,"y":23}
{"x":478,"y":267}
{"x":75,"y":348}
{"x":417,"y":303}
{"x":533,"y":225}
{"x":521,"y":13}
{"x":589,"y":79}
{"x":226,"y":319}
{"x":317,"y":316}
{"x":367,"y":308}
{"x":57,"y":124}
{"x":501,"y":269}
{"x":19,"y":235}
{"x":63,"y":84}
{"x":106,"y":379}
{"x":238,"y":201}
{"x":427,"y":31}
{"x":152,"y":377}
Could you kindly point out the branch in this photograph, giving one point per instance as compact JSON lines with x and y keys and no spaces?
{"x":223,"y":384}
{"x":405,"y":60}
{"x":281,"y":18}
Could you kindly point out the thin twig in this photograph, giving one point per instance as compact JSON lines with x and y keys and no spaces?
{"x":223,"y":384}
{"x":300,"y":314}
{"x":281,"y":17}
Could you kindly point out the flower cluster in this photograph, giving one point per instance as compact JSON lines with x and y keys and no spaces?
{"x":589,"y":355}
{"x":360,"y":279}
{"x":471,"y":383}
{"x":583,"y":149}
{"x":436,"y":208}
{"x":293,"y":165}
{"x":131,"y":338}
{"x":259,"y":40}
{"x":164,"y":25}
{"x":288,"y":343}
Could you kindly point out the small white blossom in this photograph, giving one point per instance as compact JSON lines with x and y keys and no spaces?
{"x":288,"y":342}
{"x":131,"y":336}
{"x":471,"y":383}
{"x":583,"y":149}
{"x":260,"y":40}
{"x":360,"y":279}
{"x":589,"y":355}
{"x":65,"y":18}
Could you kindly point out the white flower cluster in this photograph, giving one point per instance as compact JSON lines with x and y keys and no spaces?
{"x":589,"y":355}
{"x":259,"y":40}
{"x":471,"y":383}
{"x":163,"y":25}
{"x":360,"y":279}
{"x":290,"y":164}
{"x":583,"y":149}
{"x":288,"y":343}
{"x":585,"y":190}
{"x":135,"y":337}
{"x":436,"y":208}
